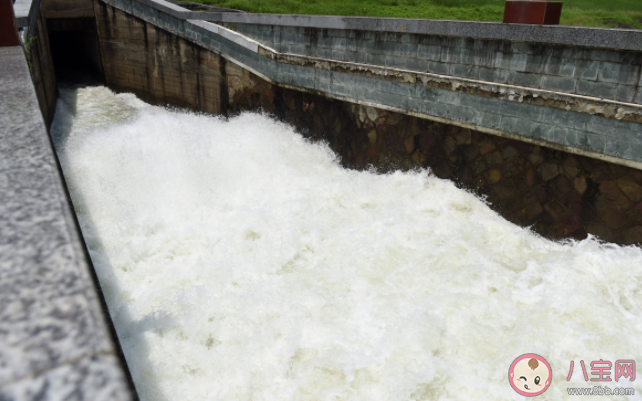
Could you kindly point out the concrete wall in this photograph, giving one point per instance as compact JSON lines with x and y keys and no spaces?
{"x":601,"y":73}
{"x":42,"y":71}
{"x":558,"y":194}
{"x":156,"y":65}
{"x":39,"y":56}
{"x":57,"y":343}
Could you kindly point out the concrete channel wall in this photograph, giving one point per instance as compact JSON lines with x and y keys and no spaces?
{"x":565,"y":164}
{"x":56,"y":341}
{"x":543,"y":113}
{"x":593,"y":71}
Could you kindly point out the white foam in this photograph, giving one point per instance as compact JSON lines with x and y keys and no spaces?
{"x":241,"y":262}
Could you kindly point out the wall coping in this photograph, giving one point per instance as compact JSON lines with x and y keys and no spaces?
{"x":56,"y":338}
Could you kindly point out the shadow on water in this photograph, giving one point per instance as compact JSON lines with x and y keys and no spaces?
{"x":129,"y":331}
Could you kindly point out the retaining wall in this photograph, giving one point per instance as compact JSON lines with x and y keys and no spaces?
{"x":592,"y":71}
{"x":367,"y":118}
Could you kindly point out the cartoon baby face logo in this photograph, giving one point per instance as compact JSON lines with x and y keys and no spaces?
{"x":530,"y":375}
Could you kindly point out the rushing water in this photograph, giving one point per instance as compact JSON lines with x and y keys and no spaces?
{"x":241,"y":262}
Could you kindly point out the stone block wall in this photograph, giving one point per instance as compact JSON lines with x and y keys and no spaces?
{"x":557,"y":194}
{"x":594,"y":72}
{"x":157,"y":65}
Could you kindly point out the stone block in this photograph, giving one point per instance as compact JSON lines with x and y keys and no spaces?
{"x":427,"y":93}
{"x":429,"y":52}
{"x":366,"y":46}
{"x":400,"y":88}
{"x":560,"y":66}
{"x":409,"y":38}
{"x":558,"y":84}
{"x":436,"y":67}
{"x":467,"y":115}
{"x":464,"y":70}
{"x":535,"y":63}
{"x":339,"y":55}
{"x":625,"y":93}
{"x":466,"y":56}
{"x":391,"y":99}
{"x":361,"y":58}
{"x":524,"y":79}
{"x":597,"y":89}
{"x":518,"y":62}
{"x":436,"y":109}
{"x":395,"y":62}
{"x":413,"y":64}
{"x":448,"y":97}
{"x":632,"y":235}
{"x":520,"y":47}
{"x":556,"y":134}
{"x":605,"y":55}
{"x":376,"y":59}
{"x":603,"y":126}
{"x":296,"y":48}
{"x":502,"y":61}
{"x":491,"y":120}
{"x":630,"y":188}
{"x":386,"y":47}
{"x":580,"y":207}
{"x":618,"y":73}
{"x":613,"y":220}
{"x":515,"y":125}
{"x":408,"y":50}
{"x":487,"y":74}
{"x":482,"y":103}
{"x":549,"y":170}
{"x":446,"y":54}
{"x":599,"y":230}
{"x":505,"y":190}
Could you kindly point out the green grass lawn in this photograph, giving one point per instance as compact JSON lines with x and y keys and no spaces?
{"x":607,"y":13}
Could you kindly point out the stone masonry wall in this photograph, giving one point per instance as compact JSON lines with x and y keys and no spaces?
{"x":558,"y":194}
{"x":156,"y":65}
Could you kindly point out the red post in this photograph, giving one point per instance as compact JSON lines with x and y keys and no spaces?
{"x":533,"y":12}
{"x":8,"y":25}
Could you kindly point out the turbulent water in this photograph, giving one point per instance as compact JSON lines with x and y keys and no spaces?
{"x":241,"y":262}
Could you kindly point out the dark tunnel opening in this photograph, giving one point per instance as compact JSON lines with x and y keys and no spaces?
{"x":76,"y":56}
